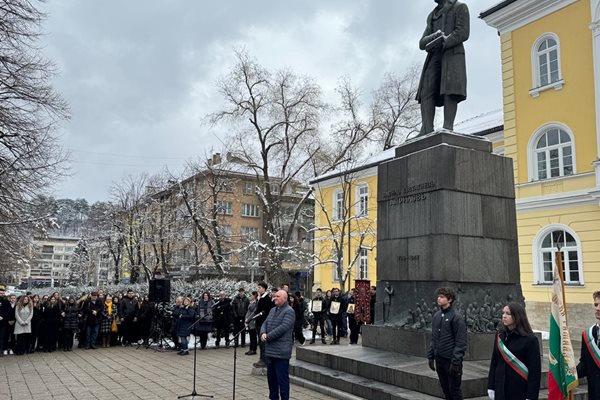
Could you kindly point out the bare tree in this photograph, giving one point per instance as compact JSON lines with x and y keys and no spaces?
{"x":277,"y":118}
{"x":394,"y":111}
{"x":31,"y":158}
{"x":129,"y":198}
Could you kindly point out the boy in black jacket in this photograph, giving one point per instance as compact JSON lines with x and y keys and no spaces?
{"x":448,"y":344}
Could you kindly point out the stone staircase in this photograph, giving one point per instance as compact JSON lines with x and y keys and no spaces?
{"x":355,"y":372}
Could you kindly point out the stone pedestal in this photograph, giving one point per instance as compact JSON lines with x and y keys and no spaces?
{"x":446,"y":217}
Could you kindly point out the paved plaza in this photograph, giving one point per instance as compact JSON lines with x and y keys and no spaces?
{"x":130,"y":373}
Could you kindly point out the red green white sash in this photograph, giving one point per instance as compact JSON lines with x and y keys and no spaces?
{"x":591,"y":344}
{"x":512,"y":360}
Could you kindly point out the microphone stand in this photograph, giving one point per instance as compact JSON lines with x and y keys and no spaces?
{"x":194,"y":393}
{"x":235,"y":350}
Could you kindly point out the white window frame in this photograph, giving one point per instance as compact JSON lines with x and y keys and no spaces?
{"x":249,"y":188}
{"x":362,"y":200}
{"x":338,"y":203}
{"x":225,"y":231}
{"x":363,"y":264}
{"x":250,"y":210}
{"x":336,"y":275}
{"x":532,"y":167}
{"x":224,"y":207}
{"x":538,"y":260}
{"x":250,"y":232}
{"x":535,"y":66}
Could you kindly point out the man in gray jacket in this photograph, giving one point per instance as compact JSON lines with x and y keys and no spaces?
{"x":276,"y":333}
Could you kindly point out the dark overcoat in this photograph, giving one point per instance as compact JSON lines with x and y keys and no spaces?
{"x":205,"y":313}
{"x":587,"y":368}
{"x":187,"y":316}
{"x":507,"y":384}
{"x":455,"y":20}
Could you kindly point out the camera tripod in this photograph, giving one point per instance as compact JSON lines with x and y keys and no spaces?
{"x":157,"y":333}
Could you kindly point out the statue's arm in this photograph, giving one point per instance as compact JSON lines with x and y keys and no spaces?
{"x":461,"y":28}
{"x":427,"y":35}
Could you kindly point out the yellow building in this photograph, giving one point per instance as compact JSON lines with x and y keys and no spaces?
{"x":345,"y":221}
{"x":550,"y":54}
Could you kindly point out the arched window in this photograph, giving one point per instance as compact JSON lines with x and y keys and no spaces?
{"x":545,"y":248}
{"x":545,"y":60}
{"x":551,"y":153}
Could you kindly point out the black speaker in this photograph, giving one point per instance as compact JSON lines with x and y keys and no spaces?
{"x":160,"y":291}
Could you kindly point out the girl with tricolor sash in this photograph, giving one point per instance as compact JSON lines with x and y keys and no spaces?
{"x":515,"y":369}
{"x":589,"y":363}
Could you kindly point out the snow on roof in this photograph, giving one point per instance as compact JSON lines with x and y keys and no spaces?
{"x":374,"y":159}
{"x":481,"y":124}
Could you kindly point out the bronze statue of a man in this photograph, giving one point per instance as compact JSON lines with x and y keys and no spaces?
{"x":444,"y":77}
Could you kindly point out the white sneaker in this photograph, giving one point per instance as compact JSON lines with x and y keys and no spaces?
{"x":5,"y":352}
{"x":10,"y":352}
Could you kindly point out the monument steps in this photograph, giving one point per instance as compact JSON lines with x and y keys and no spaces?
{"x":379,"y":374}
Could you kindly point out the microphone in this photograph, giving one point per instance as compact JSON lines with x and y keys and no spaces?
{"x":256,"y":316}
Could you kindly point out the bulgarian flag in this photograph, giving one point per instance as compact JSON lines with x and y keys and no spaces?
{"x":562,"y":374}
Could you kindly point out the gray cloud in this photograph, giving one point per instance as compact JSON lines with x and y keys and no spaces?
{"x":140,"y":75}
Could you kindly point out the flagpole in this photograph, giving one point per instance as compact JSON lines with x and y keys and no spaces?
{"x":559,"y":267}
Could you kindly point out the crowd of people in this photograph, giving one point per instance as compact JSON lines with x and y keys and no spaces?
{"x":30,"y":323}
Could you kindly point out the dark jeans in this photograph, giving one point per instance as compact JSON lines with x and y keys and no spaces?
{"x":183,"y":343}
{"x":298,"y":333}
{"x":278,"y":378}
{"x":222,"y":332}
{"x":319,"y":320}
{"x":22,"y":343}
{"x":238,"y":325}
{"x":68,"y":338}
{"x":128,"y":327}
{"x":336,"y":326}
{"x":450,"y":382}
{"x":354,"y":329}
{"x":91,"y":334}
{"x":261,"y":344}
{"x":203,"y":339}
{"x":253,"y":339}
{"x":3,"y":332}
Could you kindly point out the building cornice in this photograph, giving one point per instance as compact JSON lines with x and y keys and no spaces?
{"x":511,"y":15}
{"x":578,"y":198}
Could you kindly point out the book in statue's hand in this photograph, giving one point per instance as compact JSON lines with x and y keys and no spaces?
{"x":438,"y":41}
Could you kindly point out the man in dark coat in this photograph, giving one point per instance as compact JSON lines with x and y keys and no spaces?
{"x":589,"y":363}
{"x":444,"y":77}
{"x":239,"y":309}
{"x":128,"y":311}
{"x":319,"y":303}
{"x":222,"y":317}
{"x":337,"y":309}
{"x":262,"y":309}
{"x":276,"y":332}
{"x":92,"y":313}
{"x":448,"y":344}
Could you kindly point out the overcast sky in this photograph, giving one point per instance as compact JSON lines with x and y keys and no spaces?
{"x":140,"y":74}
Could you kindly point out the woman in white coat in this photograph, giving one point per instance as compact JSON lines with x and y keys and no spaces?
{"x":23,"y":316}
